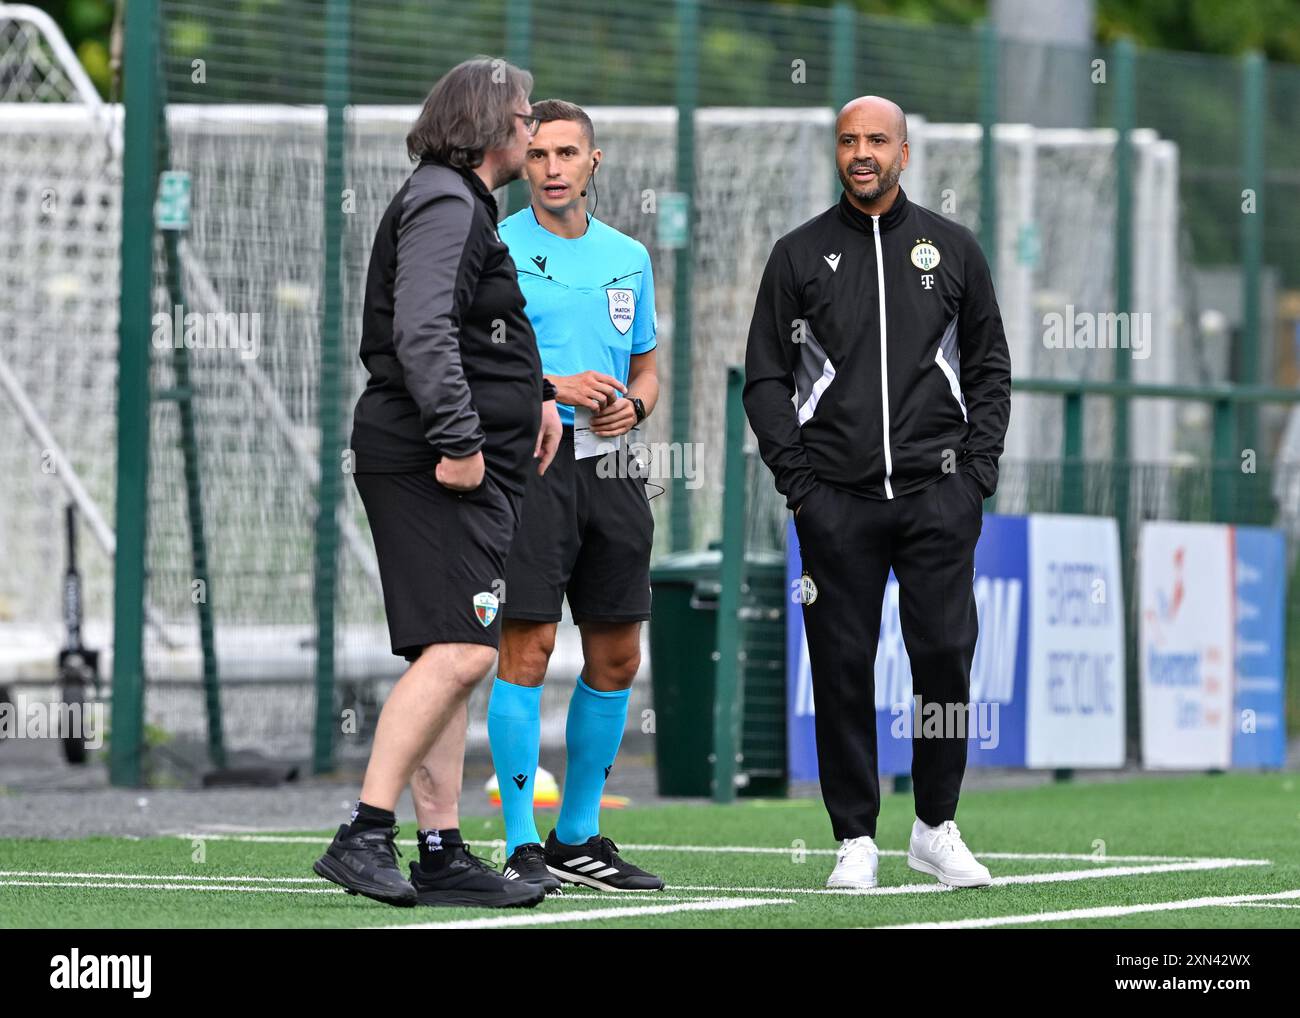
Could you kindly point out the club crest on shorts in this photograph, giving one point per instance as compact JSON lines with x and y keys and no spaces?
{"x":485,"y":607}
{"x":805,"y":590}
{"x":925,"y":255}
{"x":622,"y":308}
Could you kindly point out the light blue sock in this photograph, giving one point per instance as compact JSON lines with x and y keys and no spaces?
{"x":515,"y":734}
{"x":592,"y":737}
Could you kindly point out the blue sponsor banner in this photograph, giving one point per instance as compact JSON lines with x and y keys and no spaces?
{"x":801,"y":736}
{"x":1259,"y":738}
{"x":996,"y":720}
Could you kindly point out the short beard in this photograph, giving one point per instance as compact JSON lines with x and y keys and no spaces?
{"x":506,"y":175}
{"x":885,"y":180}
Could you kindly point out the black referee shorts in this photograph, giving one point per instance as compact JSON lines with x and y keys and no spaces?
{"x":584,"y":535}
{"x":442,"y":557}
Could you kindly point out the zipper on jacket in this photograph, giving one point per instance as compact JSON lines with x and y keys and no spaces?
{"x":884,"y":360}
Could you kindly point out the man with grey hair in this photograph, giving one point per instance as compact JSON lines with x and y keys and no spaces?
{"x":878,"y":386}
{"x":454,"y":413}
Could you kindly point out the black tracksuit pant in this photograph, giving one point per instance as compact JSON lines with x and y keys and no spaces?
{"x":848,"y":544}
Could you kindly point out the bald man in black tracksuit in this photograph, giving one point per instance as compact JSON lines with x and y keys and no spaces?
{"x":878,"y":386}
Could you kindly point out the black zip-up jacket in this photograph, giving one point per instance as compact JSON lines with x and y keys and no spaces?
{"x":841,"y":394}
{"x":452,"y":357}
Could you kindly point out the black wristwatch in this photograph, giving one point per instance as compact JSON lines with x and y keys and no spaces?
{"x":639,"y":407}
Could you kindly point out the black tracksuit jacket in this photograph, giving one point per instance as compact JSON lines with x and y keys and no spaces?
{"x":838,"y":392}
{"x":453,"y":360}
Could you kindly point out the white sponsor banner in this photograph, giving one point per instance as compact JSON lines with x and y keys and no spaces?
{"x":1185,"y":644}
{"x":1076,"y":643}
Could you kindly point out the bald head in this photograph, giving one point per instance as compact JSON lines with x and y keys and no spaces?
{"x":874,"y":110}
{"x":871,"y":151}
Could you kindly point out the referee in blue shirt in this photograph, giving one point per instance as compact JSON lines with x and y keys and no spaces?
{"x":586,"y":528}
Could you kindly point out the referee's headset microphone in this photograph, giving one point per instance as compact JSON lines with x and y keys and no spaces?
{"x":591,"y":183}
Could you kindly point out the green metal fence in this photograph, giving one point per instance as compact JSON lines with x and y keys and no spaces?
{"x":285,"y":113}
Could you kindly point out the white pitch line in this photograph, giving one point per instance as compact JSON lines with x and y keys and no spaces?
{"x":595,"y":914}
{"x":1102,"y":912}
{"x":1064,"y":876}
{"x":154,"y":878}
{"x":195,"y":884}
{"x":203,"y":882}
{"x":195,"y":877}
{"x":264,"y":889}
{"x":294,"y":839}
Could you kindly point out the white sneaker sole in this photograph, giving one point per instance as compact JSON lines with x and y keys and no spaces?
{"x":951,"y":879}
{"x":851,"y":885}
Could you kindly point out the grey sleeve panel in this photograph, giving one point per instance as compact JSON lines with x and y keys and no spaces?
{"x":438,"y":262}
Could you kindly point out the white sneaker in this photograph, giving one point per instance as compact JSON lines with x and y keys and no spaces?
{"x":855,"y":864}
{"x":940,"y":852}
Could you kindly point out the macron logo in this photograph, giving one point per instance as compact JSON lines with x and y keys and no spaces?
{"x":833,"y":261}
{"x":101,"y":972}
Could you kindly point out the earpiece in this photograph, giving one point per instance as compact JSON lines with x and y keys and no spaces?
{"x":594,"y":163}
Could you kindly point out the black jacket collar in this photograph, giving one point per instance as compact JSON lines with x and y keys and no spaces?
{"x":473,"y":179}
{"x":854,"y":216}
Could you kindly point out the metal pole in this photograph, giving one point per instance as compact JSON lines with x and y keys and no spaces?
{"x":843,"y":54}
{"x":519,"y":51}
{"x":989,"y":57}
{"x":337,"y":36}
{"x":1224,"y":466}
{"x":728,"y":692}
{"x":688,"y":83}
{"x":1125,"y":111}
{"x":843,"y":44}
{"x":139,"y":177}
{"x":183,"y":395}
{"x":1072,"y":454}
{"x":1254,"y":119}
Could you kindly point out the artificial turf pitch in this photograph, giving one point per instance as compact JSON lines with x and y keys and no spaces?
{"x":1064,"y":847}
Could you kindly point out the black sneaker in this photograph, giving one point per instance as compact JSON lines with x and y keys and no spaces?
{"x":468,"y":880}
{"x":528,"y":863}
{"x":366,"y":863}
{"x":596,"y":863}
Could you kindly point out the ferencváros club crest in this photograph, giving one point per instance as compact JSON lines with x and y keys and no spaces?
{"x":622,"y":308}
{"x":485,"y":607}
{"x":925,"y":255}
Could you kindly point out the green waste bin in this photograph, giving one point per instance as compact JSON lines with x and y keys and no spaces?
{"x":683,"y":648}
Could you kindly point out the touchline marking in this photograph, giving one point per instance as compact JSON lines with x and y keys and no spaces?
{"x":292,"y":839}
{"x":149,"y":881}
{"x":595,"y":914}
{"x":1102,"y":912}
{"x":134,"y":886}
{"x":195,"y":877}
{"x":1018,"y":878}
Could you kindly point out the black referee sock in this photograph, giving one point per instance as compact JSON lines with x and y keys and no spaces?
{"x":370,"y":818}
{"x":434,"y":845}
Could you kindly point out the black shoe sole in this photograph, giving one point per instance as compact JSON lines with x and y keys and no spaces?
{"x":329,"y":869}
{"x":470,"y":899}
{"x":546,"y":881}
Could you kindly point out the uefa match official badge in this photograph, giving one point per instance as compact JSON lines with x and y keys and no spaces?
{"x":925,"y":255}
{"x":485,"y":607}
{"x":622,"y":308}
